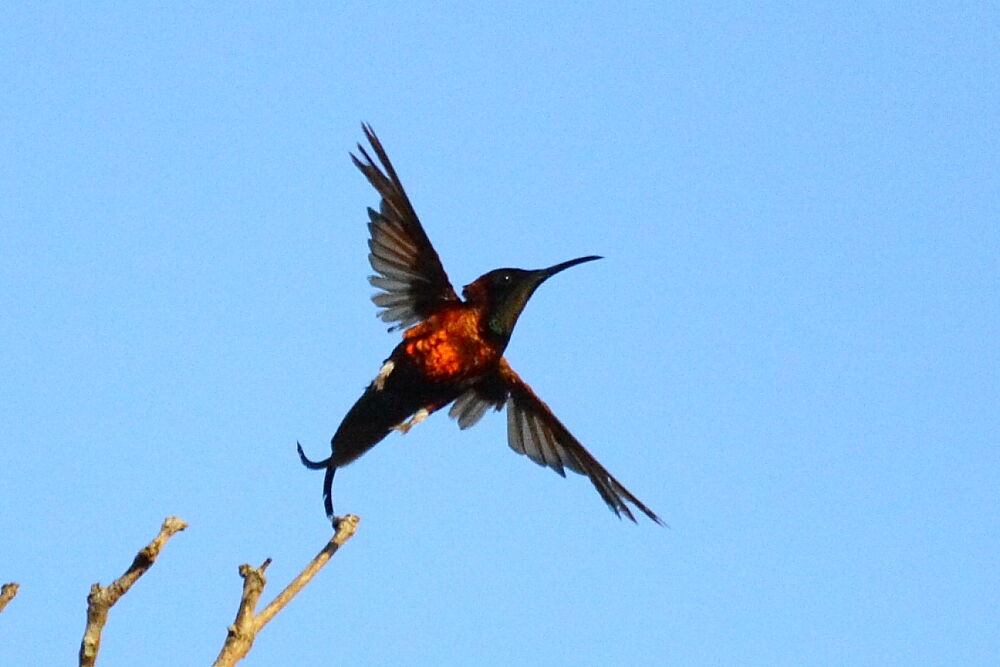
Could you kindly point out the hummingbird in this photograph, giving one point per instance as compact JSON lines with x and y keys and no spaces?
{"x":452,"y":349}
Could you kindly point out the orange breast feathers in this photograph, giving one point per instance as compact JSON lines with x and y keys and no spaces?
{"x":447,"y":346}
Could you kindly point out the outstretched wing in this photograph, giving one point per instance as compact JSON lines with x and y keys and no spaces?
{"x":533,"y":430}
{"x":410,"y":276}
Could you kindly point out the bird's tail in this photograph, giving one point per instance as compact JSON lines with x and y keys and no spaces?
{"x":309,"y":463}
{"x":327,"y":478}
{"x":365,"y":425}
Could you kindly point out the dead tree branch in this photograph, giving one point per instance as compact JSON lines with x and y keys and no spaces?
{"x":101,"y":599}
{"x":7,"y":593}
{"x":243,"y":631}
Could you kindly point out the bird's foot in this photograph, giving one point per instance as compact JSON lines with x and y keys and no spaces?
{"x":418,"y":416}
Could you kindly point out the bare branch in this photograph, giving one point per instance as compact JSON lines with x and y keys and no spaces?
{"x":345,"y":530}
{"x":7,"y":593}
{"x":100,"y":600}
{"x":244,"y":629}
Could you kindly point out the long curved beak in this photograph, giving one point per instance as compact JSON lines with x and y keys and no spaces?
{"x":553,"y":270}
{"x":535,"y":278}
{"x":532,"y":279}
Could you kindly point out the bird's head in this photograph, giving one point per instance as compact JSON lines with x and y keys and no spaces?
{"x":504,"y":292}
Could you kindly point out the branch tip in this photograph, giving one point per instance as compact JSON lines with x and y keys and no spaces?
{"x":7,"y":593}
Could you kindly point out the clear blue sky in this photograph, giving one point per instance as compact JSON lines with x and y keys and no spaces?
{"x":790,"y":351}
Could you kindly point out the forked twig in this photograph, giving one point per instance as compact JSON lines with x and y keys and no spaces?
{"x":243,"y":631}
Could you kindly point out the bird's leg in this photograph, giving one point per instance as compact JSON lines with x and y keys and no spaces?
{"x":418,"y":416}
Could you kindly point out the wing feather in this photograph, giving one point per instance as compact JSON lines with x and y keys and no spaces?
{"x":412,"y":280}
{"x":470,"y":407}
{"x":533,"y":430}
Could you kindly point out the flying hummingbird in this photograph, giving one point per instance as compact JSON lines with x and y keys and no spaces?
{"x":452,"y":349}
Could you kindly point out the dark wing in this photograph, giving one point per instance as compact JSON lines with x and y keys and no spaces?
{"x":412,"y":281}
{"x":533,"y":430}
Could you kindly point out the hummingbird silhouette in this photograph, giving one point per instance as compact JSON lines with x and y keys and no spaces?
{"x":452,"y":349}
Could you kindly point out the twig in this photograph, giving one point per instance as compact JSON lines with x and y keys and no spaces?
{"x":7,"y":593}
{"x":100,"y":600}
{"x":243,"y":631}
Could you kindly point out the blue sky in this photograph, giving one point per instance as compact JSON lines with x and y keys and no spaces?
{"x":790,"y":351}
